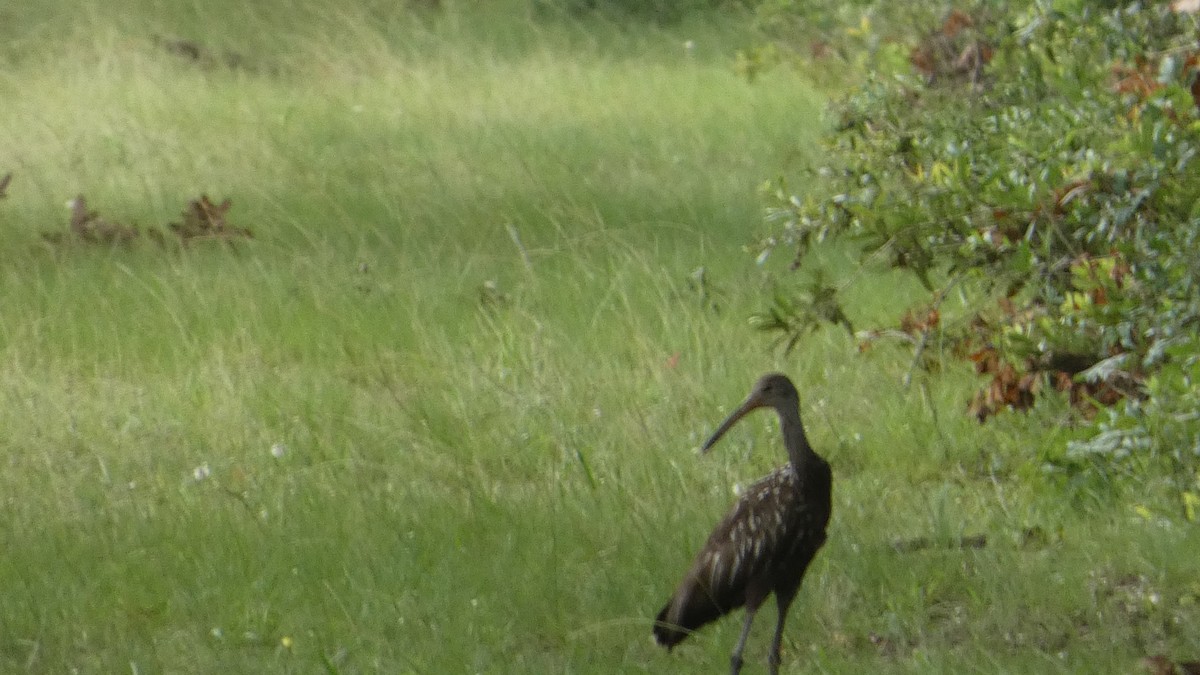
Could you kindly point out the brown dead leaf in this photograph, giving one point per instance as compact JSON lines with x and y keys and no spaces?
{"x":914,"y":324}
{"x":1158,"y":665}
{"x":88,"y":226}
{"x":953,"y":52}
{"x":922,"y":58}
{"x":202,"y":219}
{"x":974,"y":541}
{"x":987,"y":360}
{"x":820,"y":50}
{"x":955,"y":22}
{"x":1162,"y":665}
{"x":200,"y":54}
{"x":1195,"y":89}
{"x":1007,"y":389}
{"x":187,"y":49}
{"x":1138,"y":79}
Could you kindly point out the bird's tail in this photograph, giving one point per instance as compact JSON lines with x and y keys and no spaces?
{"x":666,"y":633}
{"x":685,"y":614}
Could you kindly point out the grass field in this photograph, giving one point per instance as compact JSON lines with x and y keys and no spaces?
{"x":439,"y":415}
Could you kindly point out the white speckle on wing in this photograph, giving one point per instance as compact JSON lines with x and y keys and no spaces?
{"x":714,"y":567}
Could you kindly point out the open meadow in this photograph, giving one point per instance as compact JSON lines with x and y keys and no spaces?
{"x":439,"y":414}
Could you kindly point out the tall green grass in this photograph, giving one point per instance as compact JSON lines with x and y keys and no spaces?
{"x":438,"y":416}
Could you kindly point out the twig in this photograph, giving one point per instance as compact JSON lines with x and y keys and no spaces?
{"x":516,"y":237}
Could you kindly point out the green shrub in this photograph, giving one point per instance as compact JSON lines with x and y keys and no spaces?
{"x":1039,"y":159}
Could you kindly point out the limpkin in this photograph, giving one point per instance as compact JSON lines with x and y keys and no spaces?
{"x":766,"y":542}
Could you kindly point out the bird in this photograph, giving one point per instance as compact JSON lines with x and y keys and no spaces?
{"x":765,"y":543}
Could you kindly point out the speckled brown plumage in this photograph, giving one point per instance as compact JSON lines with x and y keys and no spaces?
{"x":766,"y":542}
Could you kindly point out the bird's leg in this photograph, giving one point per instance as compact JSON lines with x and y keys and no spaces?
{"x":735,"y":662}
{"x":783,"y":602}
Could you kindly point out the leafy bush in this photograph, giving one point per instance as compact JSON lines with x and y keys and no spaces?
{"x":1040,"y":159}
{"x":839,"y":41}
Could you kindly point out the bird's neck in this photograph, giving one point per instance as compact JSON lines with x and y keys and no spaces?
{"x":795,"y":440}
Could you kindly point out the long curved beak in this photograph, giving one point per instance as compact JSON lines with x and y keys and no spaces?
{"x":752,"y":403}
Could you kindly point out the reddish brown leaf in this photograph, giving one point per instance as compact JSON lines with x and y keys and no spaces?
{"x":921,"y":57}
{"x":1162,"y":665}
{"x":1139,"y":80}
{"x":1158,"y":665}
{"x":1195,"y":88}
{"x":986,"y":360}
{"x":955,"y":22}
{"x":204,"y":219}
{"x":1063,"y":381}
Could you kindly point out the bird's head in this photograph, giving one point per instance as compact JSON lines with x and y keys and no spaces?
{"x":774,"y":390}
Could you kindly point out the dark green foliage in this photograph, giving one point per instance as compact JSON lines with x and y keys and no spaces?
{"x":1039,"y":158}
